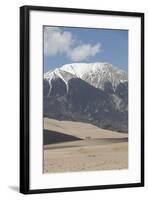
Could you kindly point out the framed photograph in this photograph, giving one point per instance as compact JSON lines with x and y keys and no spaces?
{"x":81,"y":99}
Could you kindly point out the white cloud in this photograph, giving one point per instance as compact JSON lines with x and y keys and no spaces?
{"x":84,"y":51}
{"x":58,"y":41}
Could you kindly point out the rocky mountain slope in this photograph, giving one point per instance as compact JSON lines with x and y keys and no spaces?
{"x":95,"y":93}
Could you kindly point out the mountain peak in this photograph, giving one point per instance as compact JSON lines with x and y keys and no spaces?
{"x":95,"y":93}
{"x":96,"y":74}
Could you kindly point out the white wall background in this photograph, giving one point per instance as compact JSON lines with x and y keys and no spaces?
{"x":9,"y":99}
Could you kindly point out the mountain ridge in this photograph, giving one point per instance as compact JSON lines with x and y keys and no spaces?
{"x":96,"y":74}
{"x":94,"y":93}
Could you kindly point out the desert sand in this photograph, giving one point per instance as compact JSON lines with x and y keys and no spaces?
{"x":83,"y":147}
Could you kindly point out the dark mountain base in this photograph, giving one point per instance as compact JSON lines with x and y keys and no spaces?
{"x":85,"y":103}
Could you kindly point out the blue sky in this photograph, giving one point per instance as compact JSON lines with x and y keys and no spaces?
{"x":63,"y":45}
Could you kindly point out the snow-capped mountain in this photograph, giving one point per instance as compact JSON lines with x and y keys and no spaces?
{"x":96,"y":93}
{"x":96,"y":74}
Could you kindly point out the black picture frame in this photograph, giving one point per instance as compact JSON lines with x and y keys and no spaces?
{"x":25,"y":105}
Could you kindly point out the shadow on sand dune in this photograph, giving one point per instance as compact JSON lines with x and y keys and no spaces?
{"x":51,"y":137}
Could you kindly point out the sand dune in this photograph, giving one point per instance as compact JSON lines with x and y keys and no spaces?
{"x":91,"y":148}
{"x":86,"y":143}
{"x":79,"y":129}
{"x":52,"y":137}
{"x":86,"y":158}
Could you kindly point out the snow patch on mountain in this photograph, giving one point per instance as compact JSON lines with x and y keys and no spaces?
{"x":58,"y":73}
{"x":96,"y":74}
